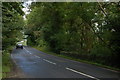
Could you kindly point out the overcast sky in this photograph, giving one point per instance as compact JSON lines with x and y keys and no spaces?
{"x":26,"y":8}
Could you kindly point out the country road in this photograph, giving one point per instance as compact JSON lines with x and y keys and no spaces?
{"x":36,"y":64}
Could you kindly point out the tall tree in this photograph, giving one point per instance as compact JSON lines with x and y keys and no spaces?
{"x":13,"y":23}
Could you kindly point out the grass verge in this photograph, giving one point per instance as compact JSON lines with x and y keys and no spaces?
{"x":46,"y":50}
{"x":6,"y":64}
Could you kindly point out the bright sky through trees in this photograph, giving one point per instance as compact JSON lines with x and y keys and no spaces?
{"x":26,"y":8}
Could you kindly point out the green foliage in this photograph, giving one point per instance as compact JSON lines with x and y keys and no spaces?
{"x":12,"y":25}
{"x":6,"y":64}
{"x":86,"y":30}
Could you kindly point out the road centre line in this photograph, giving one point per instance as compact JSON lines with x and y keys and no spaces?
{"x":70,"y":68}
{"x":43,"y":59}
{"x":37,"y":56}
{"x":49,"y":61}
{"x":82,"y":73}
{"x":66,"y":67}
{"x":75,"y":61}
{"x":31,"y":53}
{"x":28,"y":51}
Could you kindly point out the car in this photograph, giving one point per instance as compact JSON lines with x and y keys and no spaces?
{"x":19,"y":46}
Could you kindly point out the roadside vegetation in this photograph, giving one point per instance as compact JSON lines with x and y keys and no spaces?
{"x":6,"y":64}
{"x":12,"y":24}
{"x":86,"y":31}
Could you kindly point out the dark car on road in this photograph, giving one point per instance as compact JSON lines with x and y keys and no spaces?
{"x":19,"y":46}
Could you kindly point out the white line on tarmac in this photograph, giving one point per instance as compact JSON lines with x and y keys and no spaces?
{"x":49,"y":61}
{"x":37,"y":56}
{"x":82,"y":73}
{"x":28,"y":51}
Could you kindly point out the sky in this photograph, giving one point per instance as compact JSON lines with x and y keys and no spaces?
{"x":26,"y":8}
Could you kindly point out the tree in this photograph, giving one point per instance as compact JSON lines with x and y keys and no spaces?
{"x":84,"y":30}
{"x":13,"y":23}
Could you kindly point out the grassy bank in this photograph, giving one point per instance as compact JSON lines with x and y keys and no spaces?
{"x":46,"y":50}
{"x":6,"y":64}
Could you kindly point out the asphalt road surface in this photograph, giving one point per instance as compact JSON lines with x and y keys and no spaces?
{"x":36,"y":64}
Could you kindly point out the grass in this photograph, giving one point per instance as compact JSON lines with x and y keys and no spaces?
{"x":0,"y":64}
{"x":46,"y":50}
{"x":0,"y":71}
{"x":6,"y":64}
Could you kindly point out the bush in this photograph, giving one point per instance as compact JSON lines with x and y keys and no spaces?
{"x":6,"y":64}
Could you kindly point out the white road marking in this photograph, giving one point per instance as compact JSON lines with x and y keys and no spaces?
{"x":78,"y":62}
{"x":28,"y":51}
{"x":40,"y":57}
{"x":31,"y":53}
{"x":37,"y":56}
{"x":24,"y":48}
{"x":49,"y":61}
{"x":82,"y":73}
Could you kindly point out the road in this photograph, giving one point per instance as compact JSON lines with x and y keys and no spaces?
{"x":36,"y":64}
